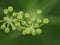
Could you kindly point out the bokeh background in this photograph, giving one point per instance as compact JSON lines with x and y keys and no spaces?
{"x":51,"y":31}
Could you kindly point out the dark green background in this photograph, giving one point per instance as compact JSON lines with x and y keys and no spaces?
{"x":51,"y":31}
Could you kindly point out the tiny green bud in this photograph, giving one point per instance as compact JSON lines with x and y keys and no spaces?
{"x":39,"y":20}
{"x":20,"y":16}
{"x":10,"y":8}
{"x":23,"y":22}
{"x":36,"y":25}
{"x":5,"y":11}
{"x":5,"y":19}
{"x":45,"y":21}
{"x":33,"y":19}
{"x":26,"y":15}
{"x":14,"y":14}
{"x":39,"y":31}
{"x":13,"y":28}
{"x":39,"y":11}
{"x":29,"y":22}
{"x":27,"y":31}
{"x":3,"y":26}
{"x":17,"y":24}
{"x":33,"y":32}
{"x":23,"y":33}
{"x":7,"y":30}
{"x":21,"y":13}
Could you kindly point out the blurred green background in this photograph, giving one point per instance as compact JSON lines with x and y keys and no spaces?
{"x":51,"y":31}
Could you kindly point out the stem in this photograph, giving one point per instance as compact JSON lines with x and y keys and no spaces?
{"x":22,"y":27}
{"x":41,"y":24}
{"x":12,"y":24}
{"x":8,"y":25}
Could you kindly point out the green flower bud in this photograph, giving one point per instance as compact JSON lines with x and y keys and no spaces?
{"x":39,"y":20}
{"x":36,"y":25}
{"x":29,"y":22}
{"x":27,"y":31}
{"x":23,"y":22}
{"x":17,"y":24}
{"x":33,"y":32}
{"x":13,"y":28}
{"x":21,"y":13}
{"x":33,"y":19}
{"x":20,"y":16}
{"x":10,"y":8}
{"x":39,"y":31}
{"x":45,"y":21}
{"x":3,"y":26}
{"x":23,"y":33}
{"x":7,"y":30}
{"x":39,"y":11}
{"x":5,"y":11}
{"x":5,"y":19}
{"x":27,"y":15}
{"x":14,"y":14}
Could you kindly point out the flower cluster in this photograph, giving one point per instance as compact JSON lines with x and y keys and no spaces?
{"x":22,"y":22}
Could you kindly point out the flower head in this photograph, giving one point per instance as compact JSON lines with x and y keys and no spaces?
{"x":22,"y":22}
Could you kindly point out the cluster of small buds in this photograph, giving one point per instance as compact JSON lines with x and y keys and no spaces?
{"x":22,"y":22}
